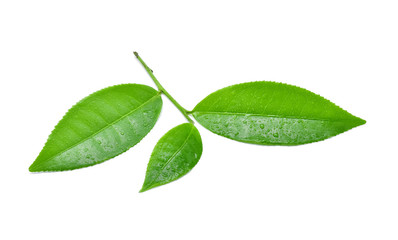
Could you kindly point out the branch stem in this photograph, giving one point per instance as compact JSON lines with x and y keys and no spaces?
{"x":162,"y":90}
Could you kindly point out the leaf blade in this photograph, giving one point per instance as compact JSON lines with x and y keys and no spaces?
{"x":270,"y":113}
{"x":175,"y":154}
{"x":99,"y":127}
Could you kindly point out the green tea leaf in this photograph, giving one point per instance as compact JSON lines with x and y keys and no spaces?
{"x":176,"y":153}
{"x":272,"y":113}
{"x":99,"y":127}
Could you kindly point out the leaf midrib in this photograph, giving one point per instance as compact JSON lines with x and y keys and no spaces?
{"x":107,"y":126}
{"x":275,"y":116}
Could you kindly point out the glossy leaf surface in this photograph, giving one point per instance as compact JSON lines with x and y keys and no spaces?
{"x":272,"y":113}
{"x":99,"y":127}
{"x":176,"y":153}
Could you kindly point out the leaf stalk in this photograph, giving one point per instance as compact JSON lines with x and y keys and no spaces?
{"x":162,"y":90}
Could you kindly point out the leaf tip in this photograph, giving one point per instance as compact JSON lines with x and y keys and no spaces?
{"x":360,"y":121}
{"x":33,"y":168}
{"x":38,"y":166}
{"x":144,"y":189}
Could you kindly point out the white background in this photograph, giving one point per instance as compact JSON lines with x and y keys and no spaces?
{"x":53,"y":53}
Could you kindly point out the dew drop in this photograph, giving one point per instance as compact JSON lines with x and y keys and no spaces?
{"x":262,"y":126}
{"x":276,"y":135}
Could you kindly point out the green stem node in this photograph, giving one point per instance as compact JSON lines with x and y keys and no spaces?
{"x":162,"y":90}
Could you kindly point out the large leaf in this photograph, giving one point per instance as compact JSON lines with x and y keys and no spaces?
{"x":272,"y":113}
{"x":176,"y":153}
{"x":99,"y":127}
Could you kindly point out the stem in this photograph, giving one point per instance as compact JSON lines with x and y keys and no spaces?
{"x":161,"y":89}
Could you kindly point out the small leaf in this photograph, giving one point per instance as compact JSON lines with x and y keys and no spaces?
{"x":272,"y":113}
{"x":99,"y":127}
{"x":176,"y":153}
